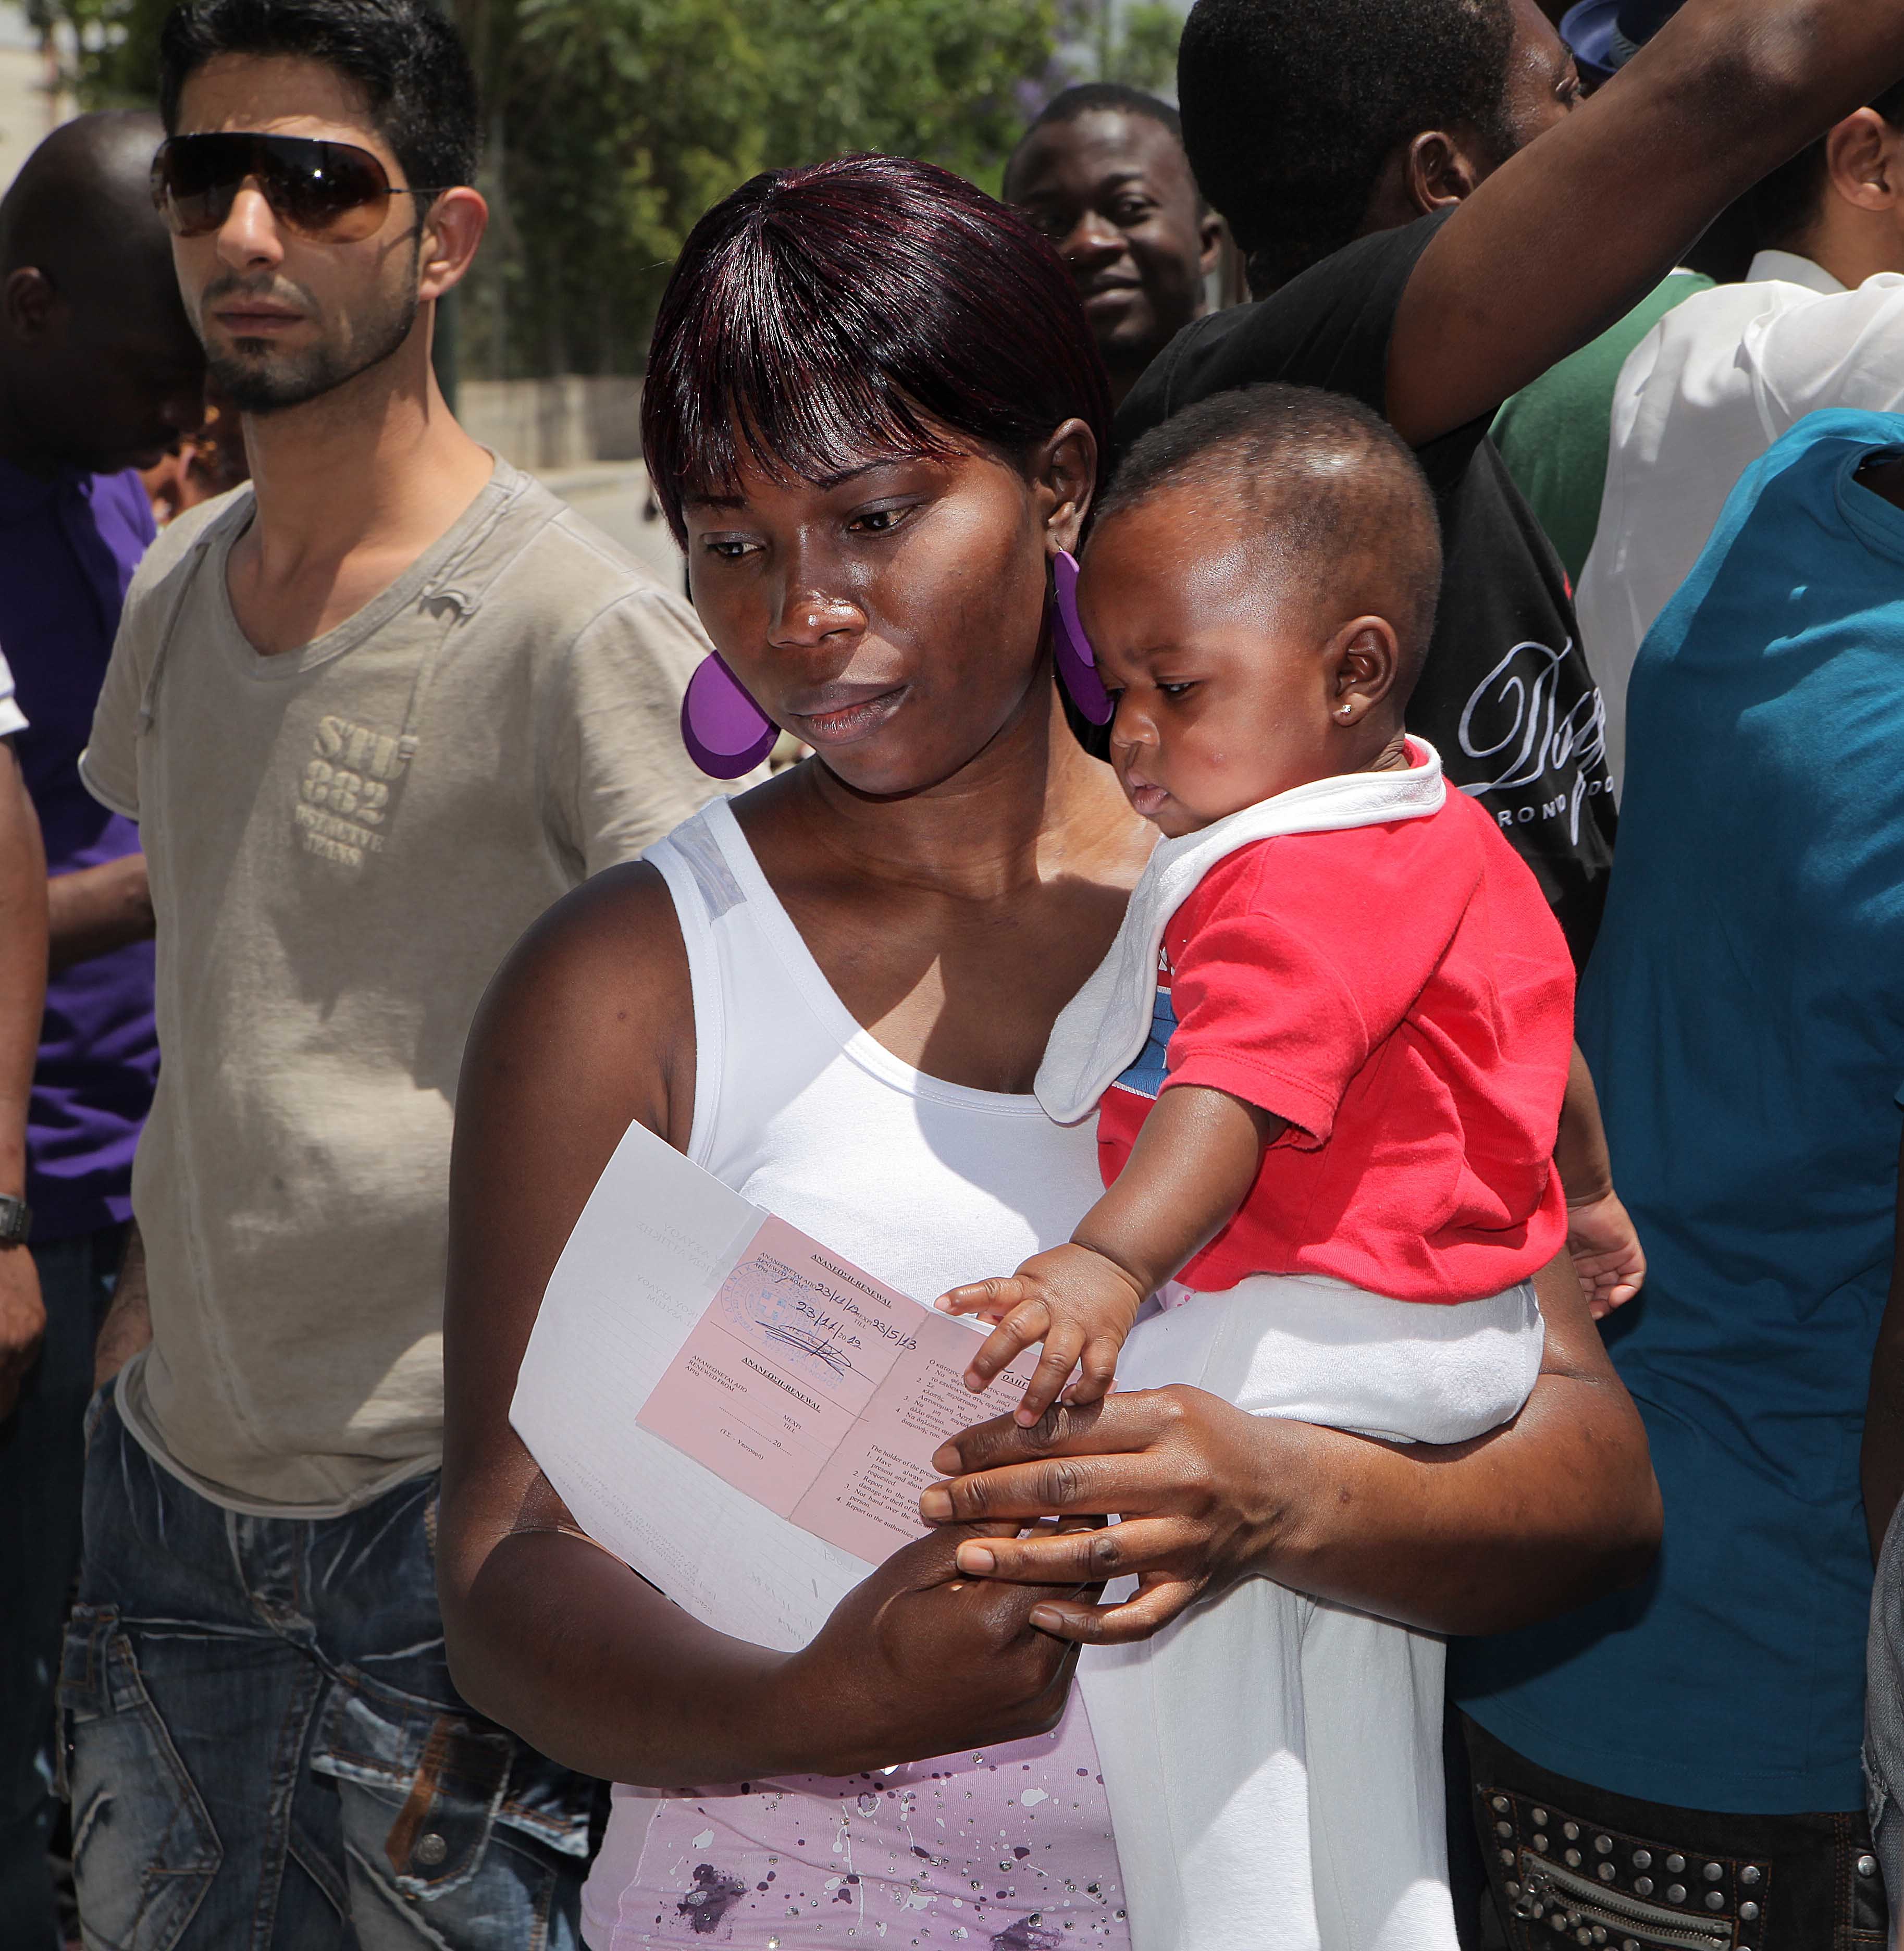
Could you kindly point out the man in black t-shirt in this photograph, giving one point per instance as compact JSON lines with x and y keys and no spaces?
{"x":1406,"y":246}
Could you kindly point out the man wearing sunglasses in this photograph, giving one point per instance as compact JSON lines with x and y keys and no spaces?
{"x":374,"y":713}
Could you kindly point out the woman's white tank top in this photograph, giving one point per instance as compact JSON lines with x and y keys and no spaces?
{"x":924,"y":1183}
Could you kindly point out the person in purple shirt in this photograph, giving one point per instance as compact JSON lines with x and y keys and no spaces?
{"x":99,"y":374}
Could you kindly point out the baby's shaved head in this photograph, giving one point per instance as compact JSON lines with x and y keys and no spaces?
{"x":1335,"y":496}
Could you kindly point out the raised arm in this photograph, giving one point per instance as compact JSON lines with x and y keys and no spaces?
{"x":589,"y":1027}
{"x":1528,"y":269}
{"x":1528,"y":1521}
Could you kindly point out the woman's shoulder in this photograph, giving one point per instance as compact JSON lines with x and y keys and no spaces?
{"x":618,"y":923}
{"x":595,"y":999}
{"x":598,"y":995}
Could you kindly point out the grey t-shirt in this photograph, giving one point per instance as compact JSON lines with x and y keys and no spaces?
{"x":344,"y":841}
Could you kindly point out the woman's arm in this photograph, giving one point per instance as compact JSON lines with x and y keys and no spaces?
{"x":589,"y":1027}
{"x":1530,"y":1520}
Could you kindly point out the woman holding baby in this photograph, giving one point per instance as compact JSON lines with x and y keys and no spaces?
{"x":876,"y":418}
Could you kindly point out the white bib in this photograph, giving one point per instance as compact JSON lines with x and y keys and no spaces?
{"x":1105,"y":1025}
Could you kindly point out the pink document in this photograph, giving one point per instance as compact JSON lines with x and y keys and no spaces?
{"x":823,"y":1394}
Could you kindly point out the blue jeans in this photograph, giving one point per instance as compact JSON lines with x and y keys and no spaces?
{"x":42,"y":1470}
{"x":262,"y":1745}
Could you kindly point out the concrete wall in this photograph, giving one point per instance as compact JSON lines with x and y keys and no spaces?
{"x":541,"y":424}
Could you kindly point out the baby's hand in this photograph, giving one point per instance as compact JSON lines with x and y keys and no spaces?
{"x":1078,"y":1303}
{"x":1607,"y":1254}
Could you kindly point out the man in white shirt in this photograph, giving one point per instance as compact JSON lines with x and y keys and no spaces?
{"x":1818,"y":323}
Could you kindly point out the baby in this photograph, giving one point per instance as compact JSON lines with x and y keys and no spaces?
{"x":1351,"y":1057}
{"x":1328,"y":1053}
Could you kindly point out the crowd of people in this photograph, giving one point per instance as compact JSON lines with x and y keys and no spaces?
{"x":1420,"y":1036}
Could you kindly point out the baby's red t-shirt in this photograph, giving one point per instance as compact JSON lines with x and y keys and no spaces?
{"x":1402,"y":996}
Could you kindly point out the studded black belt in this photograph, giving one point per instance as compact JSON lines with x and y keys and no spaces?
{"x":1593,"y":1886}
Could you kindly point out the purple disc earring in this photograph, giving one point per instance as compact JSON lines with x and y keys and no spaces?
{"x":1071,"y":648}
{"x":726,"y":733}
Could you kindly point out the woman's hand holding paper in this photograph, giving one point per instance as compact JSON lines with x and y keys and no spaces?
{"x":922,"y":1659}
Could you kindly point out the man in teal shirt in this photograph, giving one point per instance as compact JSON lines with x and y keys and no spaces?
{"x":1688,"y":1752}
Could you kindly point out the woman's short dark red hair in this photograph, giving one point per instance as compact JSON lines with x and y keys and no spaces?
{"x":829,"y":315}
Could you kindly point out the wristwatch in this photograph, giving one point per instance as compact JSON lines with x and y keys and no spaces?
{"x":16,"y":1221}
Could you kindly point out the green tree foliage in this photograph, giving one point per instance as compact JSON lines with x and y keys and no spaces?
{"x":1131,"y":41}
{"x":616,"y":123}
{"x":116,"y":65}
{"x":1144,"y":53}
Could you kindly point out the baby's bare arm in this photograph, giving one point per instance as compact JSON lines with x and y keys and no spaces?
{"x":1601,"y":1235}
{"x":1192,"y":1166}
